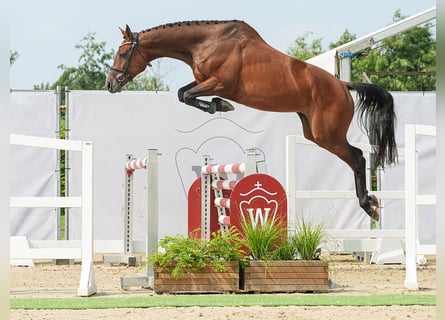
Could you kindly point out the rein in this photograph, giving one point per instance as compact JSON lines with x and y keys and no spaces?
{"x":134,"y":47}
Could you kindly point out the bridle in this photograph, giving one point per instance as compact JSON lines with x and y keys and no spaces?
{"x":134,"y":48}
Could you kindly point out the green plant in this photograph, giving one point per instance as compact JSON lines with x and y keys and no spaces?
{"x":263,"y":240}
{"x":285,"y":251}
{"x":184,"y":254}
{"x":270,"y":241}
{"x":307,"y":239}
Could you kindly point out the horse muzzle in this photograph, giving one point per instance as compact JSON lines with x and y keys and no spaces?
{"x":114,"y":85}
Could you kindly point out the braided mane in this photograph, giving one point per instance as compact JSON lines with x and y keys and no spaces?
{"x":190,"y":23}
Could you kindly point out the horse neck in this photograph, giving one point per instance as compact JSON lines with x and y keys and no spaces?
{"x":171,"y":42}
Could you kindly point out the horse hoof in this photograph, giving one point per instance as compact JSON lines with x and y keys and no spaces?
{"x":375,"y":208}
{"x":212,"y":108}
{"x":222,"y":105}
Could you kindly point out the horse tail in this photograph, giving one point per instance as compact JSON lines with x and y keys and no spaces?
{"x":375,"y":106}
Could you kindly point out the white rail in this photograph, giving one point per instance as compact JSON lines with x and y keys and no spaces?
{"x":412,"y":201}
{"x":87,"y":286}
{"x":410,"y":195}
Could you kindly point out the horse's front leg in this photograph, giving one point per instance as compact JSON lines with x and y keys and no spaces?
{"x":189,"y":93}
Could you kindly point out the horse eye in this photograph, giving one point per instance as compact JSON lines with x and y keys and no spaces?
{"x":123,"y":55}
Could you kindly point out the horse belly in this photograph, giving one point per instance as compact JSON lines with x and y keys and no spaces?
{"x":266,"y":96}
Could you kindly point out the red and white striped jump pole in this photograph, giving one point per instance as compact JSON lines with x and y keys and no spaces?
{"x":222,"y":202}
{"x":224,"y":184}
{"x":211,"y":172}
{"x":224,"y":168}
{"x":135,"y":164}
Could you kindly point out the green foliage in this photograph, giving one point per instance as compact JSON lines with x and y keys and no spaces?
{"x":13,"y":56}
{"x":263,"y":240}
{"x":407,"y":53}
{"x":42,"y":86}
{"x":94,"y":62}
{"x":285,"y":251}
{"x":93,"y":66}
{"x":344,"y":38}
{"x":304,"y":50}
{"x":307,"y":239}
{"x":185,"y":254}
{"x":145,"y":82}
{"x":270,"y":241}
{"x":398,"y":63}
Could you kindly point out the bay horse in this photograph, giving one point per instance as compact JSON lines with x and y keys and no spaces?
{"x":230,"y":60}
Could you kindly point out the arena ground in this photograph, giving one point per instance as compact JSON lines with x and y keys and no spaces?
{"x":349,"y":277}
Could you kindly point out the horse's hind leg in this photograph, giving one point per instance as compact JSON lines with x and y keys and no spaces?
{"x":189,"y":93}
{"x":369,"y":203}
{"x":306,"y":127}
{"x":354,"y":158}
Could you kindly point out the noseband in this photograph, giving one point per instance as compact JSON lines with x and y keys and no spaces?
{"x":134,"y":47}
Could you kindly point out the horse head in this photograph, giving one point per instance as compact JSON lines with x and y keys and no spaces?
{"x":128,"y":62}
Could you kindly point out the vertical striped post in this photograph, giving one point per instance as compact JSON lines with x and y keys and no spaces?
{"x":205,"y":200}
{"x":128,"y":208}
{"x":210,"y":180}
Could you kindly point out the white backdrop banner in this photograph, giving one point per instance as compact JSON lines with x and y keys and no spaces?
{"x":132,"y":122}
{"x":33,"y":169}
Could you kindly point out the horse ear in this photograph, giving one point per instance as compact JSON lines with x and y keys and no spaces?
{"x":128,"y":32}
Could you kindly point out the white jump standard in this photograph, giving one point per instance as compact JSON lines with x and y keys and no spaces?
{"x":210,"y":179}
{"x":151,"y":165}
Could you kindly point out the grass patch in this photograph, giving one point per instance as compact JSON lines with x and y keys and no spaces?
{"x":234,"y":300}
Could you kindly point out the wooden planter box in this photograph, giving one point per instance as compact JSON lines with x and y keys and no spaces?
{"x":286,"y":276}
{"x":207,"y":279}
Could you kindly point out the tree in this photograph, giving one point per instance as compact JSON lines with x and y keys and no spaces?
{"x":304,"y":50}
{"x":344,"y":38}
{"x":404,"y":62}
{"x":13,"y":56}
{"x":92,"y":71}
{"x":145,"y":82}
{"x":42,"y":86}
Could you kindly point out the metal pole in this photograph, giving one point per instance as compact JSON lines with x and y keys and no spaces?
{"x":251,"y":165}
{"x":58,"y":161}
{"x":345,"y":69}
{"x":67,"y":164}
{"x":152,"y":209}
{"x":291,"y":173}
{"x":410,"y":208}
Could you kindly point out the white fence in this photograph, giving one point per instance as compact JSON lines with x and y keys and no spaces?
{"x":412,"y":201}
{"x":63,"y":249}
{"x":370,"y":240}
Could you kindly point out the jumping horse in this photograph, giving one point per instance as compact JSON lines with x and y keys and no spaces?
{"x":230,"y":60}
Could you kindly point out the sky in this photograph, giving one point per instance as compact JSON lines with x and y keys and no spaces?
{"x":45,"y":32}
